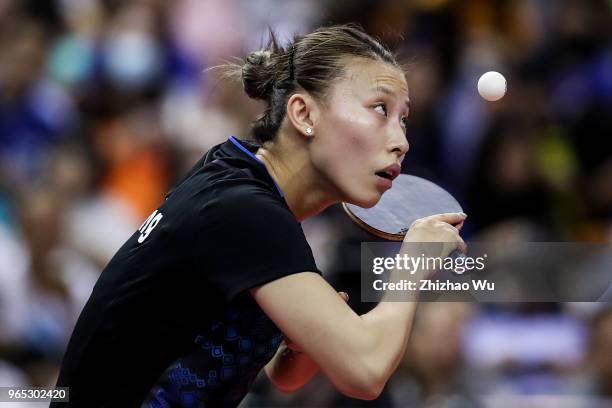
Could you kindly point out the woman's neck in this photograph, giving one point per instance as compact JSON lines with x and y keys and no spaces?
{"x":289,"y":164}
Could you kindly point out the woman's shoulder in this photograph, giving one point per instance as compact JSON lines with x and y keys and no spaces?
{"x":238,"y":198}
{"x":217,"y":183}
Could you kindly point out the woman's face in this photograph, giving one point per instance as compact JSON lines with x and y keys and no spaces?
{"x":362,"y":131}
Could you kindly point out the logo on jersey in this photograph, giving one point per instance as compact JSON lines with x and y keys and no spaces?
{"x":148,"y":226}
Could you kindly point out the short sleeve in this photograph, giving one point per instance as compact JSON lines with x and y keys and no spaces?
{"x":250,"y":237}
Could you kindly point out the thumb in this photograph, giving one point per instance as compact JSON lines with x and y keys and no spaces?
{"x":344,"y":296}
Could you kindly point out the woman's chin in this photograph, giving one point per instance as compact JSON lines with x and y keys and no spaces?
{"x":365,"y":200}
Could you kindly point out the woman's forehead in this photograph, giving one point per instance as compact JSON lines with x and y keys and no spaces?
{"x":367,"y":76}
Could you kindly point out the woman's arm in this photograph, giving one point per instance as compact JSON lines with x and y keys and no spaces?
{"x":357,"y":353}
{"x":291,"y":368}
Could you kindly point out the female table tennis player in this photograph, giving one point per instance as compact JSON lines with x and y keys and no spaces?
{"x":217,"y":280}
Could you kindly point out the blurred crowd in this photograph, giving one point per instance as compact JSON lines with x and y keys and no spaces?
{"x":104,"y":104}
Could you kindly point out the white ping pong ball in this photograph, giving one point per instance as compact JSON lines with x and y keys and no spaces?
{"x":492,"y":86}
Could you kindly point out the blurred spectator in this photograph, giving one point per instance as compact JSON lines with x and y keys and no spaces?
{"x":433,"y":373}
{"x":599,"y":357}
{"x":34,"y":112}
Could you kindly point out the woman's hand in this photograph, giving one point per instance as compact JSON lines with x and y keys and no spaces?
{"x":443,"y":228}
{"x":293,"y":346}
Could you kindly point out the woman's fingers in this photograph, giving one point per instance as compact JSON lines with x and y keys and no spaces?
{"x":449,"y":218}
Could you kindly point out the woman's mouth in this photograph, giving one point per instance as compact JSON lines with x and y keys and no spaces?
{"x":385,"y":176}
{"x":385,"y":180}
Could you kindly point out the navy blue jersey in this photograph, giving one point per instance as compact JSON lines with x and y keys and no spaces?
{"x":170,"y":322}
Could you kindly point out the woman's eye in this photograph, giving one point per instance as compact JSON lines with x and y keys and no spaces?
{"x":383,"y":107}
{"x":405,"y":121}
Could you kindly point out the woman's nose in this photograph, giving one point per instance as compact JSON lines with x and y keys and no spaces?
{"x":400,"y":145}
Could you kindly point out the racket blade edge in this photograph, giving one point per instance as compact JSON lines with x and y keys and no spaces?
{"x":409,"y":199}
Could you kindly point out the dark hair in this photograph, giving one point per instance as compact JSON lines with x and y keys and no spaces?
{"x":310,"y":62}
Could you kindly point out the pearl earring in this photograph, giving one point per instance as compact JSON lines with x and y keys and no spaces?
{"x":309,"y":131}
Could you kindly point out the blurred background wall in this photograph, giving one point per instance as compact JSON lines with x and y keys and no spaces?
{"x":105,"y":103}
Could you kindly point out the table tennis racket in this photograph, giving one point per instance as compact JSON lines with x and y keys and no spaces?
{"x":409,"y":199}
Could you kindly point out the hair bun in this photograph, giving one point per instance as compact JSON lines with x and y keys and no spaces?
{"x":258,"y":75}
{"x":259,"y":57}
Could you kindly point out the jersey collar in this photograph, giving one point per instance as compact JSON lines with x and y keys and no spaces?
{"x":241,"y":146}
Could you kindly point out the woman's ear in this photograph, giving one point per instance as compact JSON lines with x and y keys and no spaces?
{"x":303,"y":113}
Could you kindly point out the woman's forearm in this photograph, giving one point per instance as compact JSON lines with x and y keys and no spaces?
{"x":392,"y":323}
{"x":289,"y":370}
